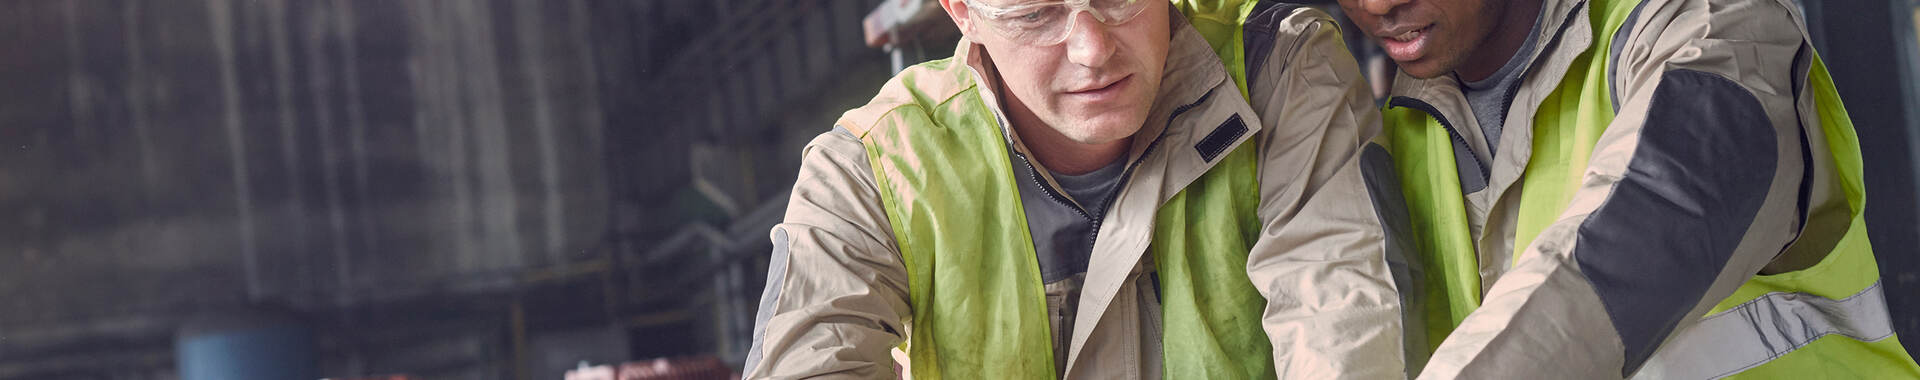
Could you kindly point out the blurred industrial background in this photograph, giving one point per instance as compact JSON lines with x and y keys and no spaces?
{"x":503,"y":189}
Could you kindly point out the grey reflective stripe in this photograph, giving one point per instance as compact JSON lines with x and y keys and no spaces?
{"x":776,"y":279}
{"x":1390,"y":205}
{"x":1767,"y":328}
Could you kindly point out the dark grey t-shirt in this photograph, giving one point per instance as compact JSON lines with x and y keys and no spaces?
{"x":1072,"y":236}
{"x":1093,"y":188}
{"x":1489,"y":97}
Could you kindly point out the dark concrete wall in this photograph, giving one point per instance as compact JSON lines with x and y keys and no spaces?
{"x":288,"y":148}
{"x":441,"y":185}
{"x":162,"y":158}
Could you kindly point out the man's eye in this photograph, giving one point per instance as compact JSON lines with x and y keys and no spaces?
{"x":1033,"y":17}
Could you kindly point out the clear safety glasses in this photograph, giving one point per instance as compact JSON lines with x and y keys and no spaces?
{"x":1049,"y":23}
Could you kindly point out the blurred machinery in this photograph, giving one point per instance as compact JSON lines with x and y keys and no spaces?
{"x":493,"y":189}
{"x":683,"y":368}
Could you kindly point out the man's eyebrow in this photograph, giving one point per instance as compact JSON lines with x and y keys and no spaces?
{"x":1017,"y":3}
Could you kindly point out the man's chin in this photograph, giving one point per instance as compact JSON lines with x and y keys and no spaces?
{"x":1106,"y":114}
{"x":1423,"y":69}
{"x":1434,"y":64}
{"x":1100,"y":131}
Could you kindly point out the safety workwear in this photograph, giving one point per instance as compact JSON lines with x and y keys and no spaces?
{"x":1241,"y":243}
{"x":1657,"y":155}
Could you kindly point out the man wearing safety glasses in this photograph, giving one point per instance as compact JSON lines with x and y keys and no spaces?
{"x":1094,"y":189}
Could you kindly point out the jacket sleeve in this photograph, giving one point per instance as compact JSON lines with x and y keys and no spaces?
{"x":1690,"y":191}
{"x":836,"y":298}
{"x":1332,"y":309}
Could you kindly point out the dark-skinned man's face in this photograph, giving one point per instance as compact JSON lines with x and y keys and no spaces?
{"x":1428,"y":38}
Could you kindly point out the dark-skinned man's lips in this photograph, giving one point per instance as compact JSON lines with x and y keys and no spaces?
{"x":1405,"y":43}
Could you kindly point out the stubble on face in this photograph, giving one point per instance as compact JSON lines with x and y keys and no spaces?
{"x":1095,"y":88}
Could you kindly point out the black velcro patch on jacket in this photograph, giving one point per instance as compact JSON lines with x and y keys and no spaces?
{"x":1218,"y":140}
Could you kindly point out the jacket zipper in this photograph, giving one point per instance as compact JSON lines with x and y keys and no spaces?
{"x":1034,"y":174}
{"x":1402,"y":101}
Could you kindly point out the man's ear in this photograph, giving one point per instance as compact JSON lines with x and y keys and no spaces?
{"x":958,"y":11}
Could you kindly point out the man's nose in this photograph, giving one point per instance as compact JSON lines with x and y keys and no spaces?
{"x":1380,"y":8}
{"x":1088,"y":42}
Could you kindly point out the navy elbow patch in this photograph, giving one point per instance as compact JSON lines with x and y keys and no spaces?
{"x":1702,"y":171}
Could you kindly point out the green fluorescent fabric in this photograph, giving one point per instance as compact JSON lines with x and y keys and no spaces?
{"x":1423,"y":157}
{"x":1844,"y":272}
{"x":979,"y":308}
{"x":1211,"y":311}
{"x":1219,"y":21}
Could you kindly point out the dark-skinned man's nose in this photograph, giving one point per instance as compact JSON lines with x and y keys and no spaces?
{"x":1380,"y":8}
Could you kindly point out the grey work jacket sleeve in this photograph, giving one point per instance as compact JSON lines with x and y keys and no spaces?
{"x":836,"y":298}
{"x":1332,"y":309}
{"x":1689,"y":192}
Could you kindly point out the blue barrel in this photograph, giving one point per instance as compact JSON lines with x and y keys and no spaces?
{"x":245,"y":345}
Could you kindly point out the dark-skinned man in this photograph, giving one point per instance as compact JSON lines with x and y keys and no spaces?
{"x":1622,"y":188}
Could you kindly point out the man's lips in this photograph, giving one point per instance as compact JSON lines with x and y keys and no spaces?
{"x":1104,"y":89}
{"x":1405,"y":44}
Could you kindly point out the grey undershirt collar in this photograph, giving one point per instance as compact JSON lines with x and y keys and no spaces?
{"x":1488,"y":97}
{"x":1092,"y":189}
